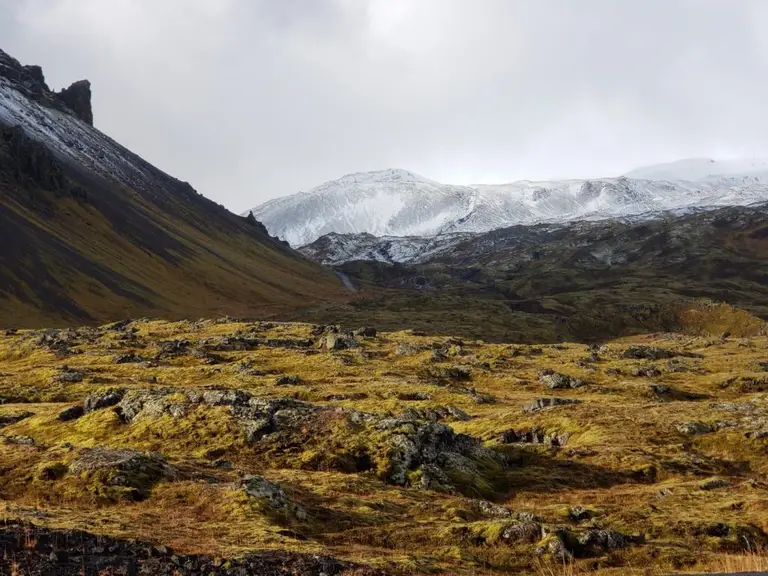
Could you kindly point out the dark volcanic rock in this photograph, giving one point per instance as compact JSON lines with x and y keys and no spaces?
{"x":71,"y":413}
{"x":35,"y":551}
{"x":436,"y":414}
{"x":29,"y":80}
{"x":6,"y":419}
{"x":431,"y":455}
{"x":272,"y":495}
{"x":103,"y":399}
{"x":287,"y":380}
{"x":648,"y":353}
{"x":564,"y":544}
{"x":534,"y":435}
{"x":544,"y":403}
{"x":69,"y":376}
{"x":78,"y":99}
{"x":366,"y":332}
{"x":129,"y":358}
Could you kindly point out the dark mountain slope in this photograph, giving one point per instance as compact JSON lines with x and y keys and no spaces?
{"x":89,"y":232}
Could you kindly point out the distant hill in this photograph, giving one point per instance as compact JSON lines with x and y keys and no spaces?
{"x":90,"y":232}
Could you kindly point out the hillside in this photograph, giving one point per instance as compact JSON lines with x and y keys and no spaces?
{"x":584,"y":281}
{"x":400,"y":203}
{"x":91,"y":232}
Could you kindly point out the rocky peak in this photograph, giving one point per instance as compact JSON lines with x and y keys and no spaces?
{"x":78,"y":99}
{"x":26,"y":79}
{"x":30,"y":81}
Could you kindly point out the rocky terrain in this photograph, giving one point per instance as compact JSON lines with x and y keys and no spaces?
{"x":586,"y":281}
{"x":223,"y":447}
{"x":91,"y":232}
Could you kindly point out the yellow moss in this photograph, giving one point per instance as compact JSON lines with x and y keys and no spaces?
{"x":624,"y":459}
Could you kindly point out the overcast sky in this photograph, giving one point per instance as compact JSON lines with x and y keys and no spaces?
{"x":253,"y":99}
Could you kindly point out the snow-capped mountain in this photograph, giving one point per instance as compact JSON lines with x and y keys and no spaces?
{"x":400,"y":203}
{"x":389,"y":202}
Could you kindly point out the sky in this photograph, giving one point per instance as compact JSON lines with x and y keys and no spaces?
{"x":253,"y":99}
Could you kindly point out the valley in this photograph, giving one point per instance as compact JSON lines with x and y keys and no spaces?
{"x":385,"y":375}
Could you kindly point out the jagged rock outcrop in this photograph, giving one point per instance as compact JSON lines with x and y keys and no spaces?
{"x":30,"y":81}
{"x":78,"y":99}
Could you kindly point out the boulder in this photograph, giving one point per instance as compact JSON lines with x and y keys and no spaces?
{"x":366,"y":332}
{"x":71,"y":413}
{"x":129,"y":358}
{"x":490,"y":509}
{"x":648,"y":353}
{"x":714,"y":484}
{"x":535,"y":435}
{"x":336,"y":341}
{"x":544,"y":403}
{"x":431,"y":455}
{"x":287,"y":380}
{"x":104,"y":399}
{"x":646,"y":372}
{"x":406,"y":349}
{"x":69,"y":376}
{"x":272,"y":495}
{"x":555,"y":380}
{"x":564,"y":544}
{"x":521,"y":532}
{"x":436,"y":414}
{"x":694,"y":428}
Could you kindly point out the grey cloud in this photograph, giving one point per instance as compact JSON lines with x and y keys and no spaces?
{"x":253,"y":99}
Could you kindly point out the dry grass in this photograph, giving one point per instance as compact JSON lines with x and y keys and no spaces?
{"x":734,"y":563}
{"x":624,"y":460}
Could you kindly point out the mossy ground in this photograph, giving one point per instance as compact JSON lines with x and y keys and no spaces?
{"x":624,"y":460}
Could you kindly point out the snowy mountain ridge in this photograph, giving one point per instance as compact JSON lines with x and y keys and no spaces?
{"x":399,"y":203}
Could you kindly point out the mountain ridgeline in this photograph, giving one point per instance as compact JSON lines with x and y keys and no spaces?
{"x":400,"y":203}
{"x":91,"y":232}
